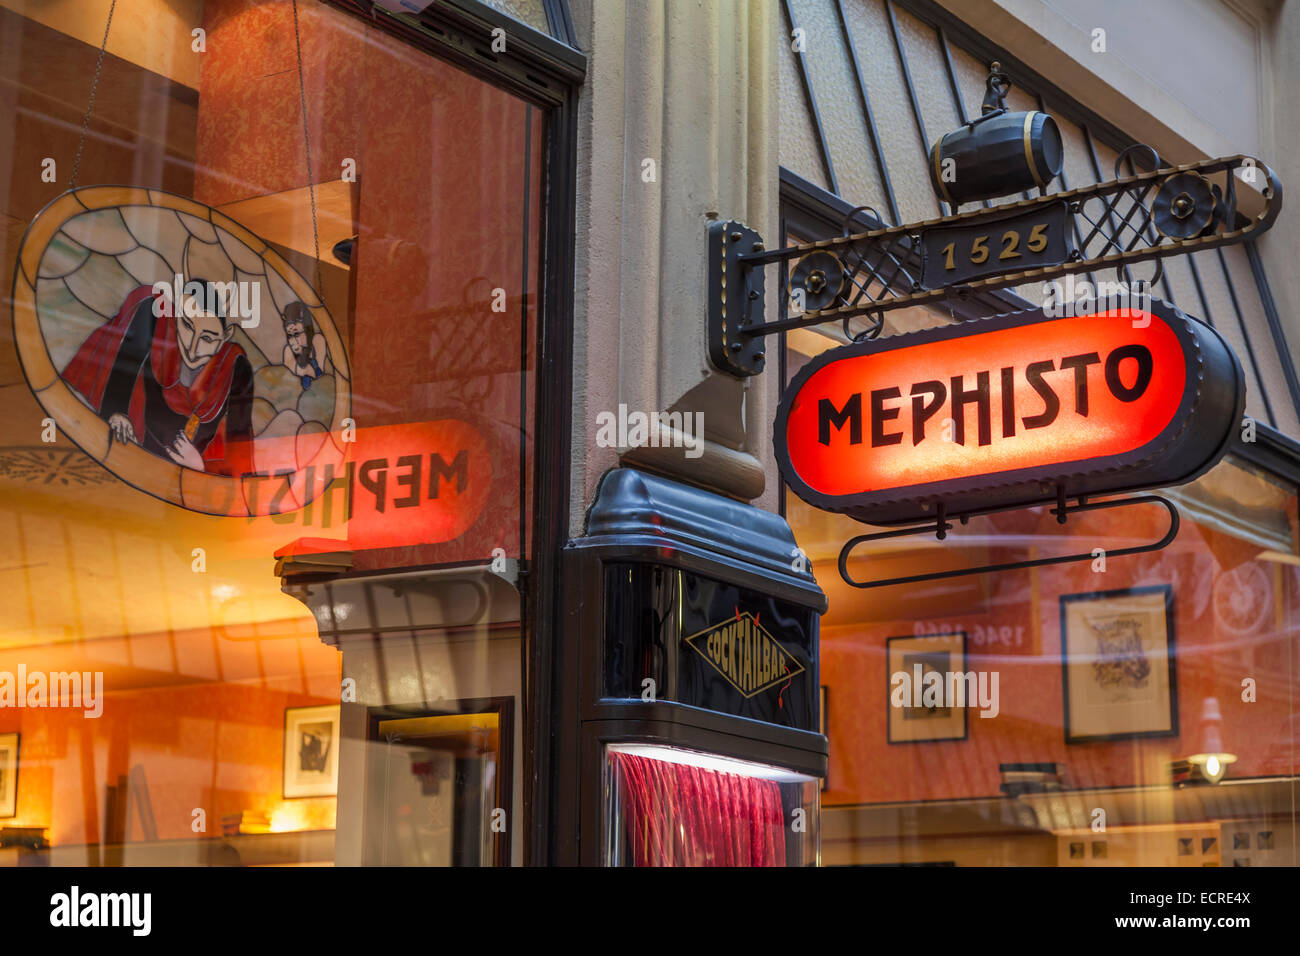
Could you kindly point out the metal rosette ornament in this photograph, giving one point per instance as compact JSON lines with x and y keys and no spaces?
{"x":817,"y":282}
{"x":1187,"y":205}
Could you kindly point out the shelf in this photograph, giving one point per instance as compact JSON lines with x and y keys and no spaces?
{"x":292,"y":848}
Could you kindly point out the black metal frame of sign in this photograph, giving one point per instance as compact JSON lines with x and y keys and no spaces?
{"x":1197,"y":434}
{"x":1195,"y":437}
{"x":1167,"y":430}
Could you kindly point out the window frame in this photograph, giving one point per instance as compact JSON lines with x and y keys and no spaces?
{"x":548,"y":74}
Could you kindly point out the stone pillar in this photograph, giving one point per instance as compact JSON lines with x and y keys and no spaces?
{"x":678,"y":121}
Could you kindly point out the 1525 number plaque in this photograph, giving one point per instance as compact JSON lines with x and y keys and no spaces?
{"x":1033,"y":239}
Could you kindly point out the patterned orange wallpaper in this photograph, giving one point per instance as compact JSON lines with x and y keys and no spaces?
{"x":250,"y":124}
{"x":450,"y":179}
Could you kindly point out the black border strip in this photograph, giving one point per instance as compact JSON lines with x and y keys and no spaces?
{"x":1274,"y":324}
{"x":876,"y":144}
{"x":812,"y":100}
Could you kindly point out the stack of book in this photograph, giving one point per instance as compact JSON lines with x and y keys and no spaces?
{"x":1018,"y":778}
{"x":31,"y":837}
{"x":246,"y":821}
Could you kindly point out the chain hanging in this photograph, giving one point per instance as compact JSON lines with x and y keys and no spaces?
{"x":306,"y":137}
{"x":90,"y":104}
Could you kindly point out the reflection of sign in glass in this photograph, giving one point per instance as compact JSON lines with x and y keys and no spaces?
{"x":177,"y":348}
{"x":414,"y":483}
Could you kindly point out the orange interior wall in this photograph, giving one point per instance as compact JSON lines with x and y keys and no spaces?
{"x":441,"y":161}
{"x":141,"y":131}
{"x":443,"y":223}
{"x":1209,"y":662}
{"x":250,"y":126}
{"x":216,"y":747}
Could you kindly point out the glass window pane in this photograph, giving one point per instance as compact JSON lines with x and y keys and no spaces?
{"x":267,"y":457}
{"x":1155,"y":688}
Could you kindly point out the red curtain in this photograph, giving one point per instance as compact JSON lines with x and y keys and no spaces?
{"x":680,"y":815}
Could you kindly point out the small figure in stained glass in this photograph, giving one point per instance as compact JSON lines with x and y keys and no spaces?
{"x":304,"y":348}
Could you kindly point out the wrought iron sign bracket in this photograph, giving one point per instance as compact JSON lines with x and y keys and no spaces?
{"x":735,"y":299}
{"x":1171,"y":210}
{"x":842,"y":427}
{"x":941,"y":526}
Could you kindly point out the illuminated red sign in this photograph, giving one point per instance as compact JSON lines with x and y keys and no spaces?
{"x":1002,"y":411}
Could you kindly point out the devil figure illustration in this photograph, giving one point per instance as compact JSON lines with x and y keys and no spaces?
{"x":171,"y":380}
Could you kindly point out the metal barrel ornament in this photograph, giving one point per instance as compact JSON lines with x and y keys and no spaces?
{"x":996,"y":155}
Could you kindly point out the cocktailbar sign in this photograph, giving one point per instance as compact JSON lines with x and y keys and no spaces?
{"x":1009,"y":411}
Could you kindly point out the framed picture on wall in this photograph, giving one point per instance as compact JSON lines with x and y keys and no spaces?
{"x":915,"y":716}
{"x":311,"y":751}
{"x":1117,"y":659}
{"x":8,"y":775}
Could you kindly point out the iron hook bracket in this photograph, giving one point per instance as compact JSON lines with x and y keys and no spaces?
{"x":941,"y":526}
